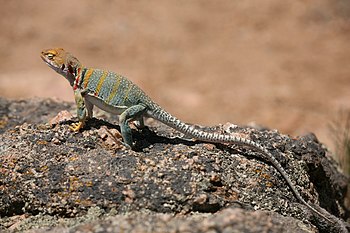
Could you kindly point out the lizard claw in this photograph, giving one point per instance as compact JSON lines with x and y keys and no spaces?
{"x":76,"y":126}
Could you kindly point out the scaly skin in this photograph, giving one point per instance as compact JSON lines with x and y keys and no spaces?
{"x":116,"y":94}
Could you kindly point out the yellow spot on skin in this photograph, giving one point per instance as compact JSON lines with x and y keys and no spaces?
{"x":100,"y":83}
{"x":87,"y":77}
{"x":127,"y":93}
{"x":114,"y":91}
{"x":52,"y":51}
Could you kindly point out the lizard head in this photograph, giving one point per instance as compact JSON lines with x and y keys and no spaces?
{"x":62,"y":62}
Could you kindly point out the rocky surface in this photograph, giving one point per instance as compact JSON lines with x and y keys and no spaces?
{"x":54,"y":180}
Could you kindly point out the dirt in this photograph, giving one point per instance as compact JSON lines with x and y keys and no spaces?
{"x":281,"y":64}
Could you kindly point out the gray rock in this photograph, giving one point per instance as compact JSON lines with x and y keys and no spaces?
{"x":54,"y":180}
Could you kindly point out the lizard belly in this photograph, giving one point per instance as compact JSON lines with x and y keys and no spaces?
{"x":104,"y":106}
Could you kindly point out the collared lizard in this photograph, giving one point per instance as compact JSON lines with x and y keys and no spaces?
{"x":118,"y":95}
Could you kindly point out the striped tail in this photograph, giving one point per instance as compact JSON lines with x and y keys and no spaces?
{"x":189,"y":130}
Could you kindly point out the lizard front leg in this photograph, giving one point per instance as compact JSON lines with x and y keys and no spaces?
{"x":88,"y":105}
{"x":81,"y":110}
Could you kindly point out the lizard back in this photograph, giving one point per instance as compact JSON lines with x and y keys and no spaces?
{"x":111,"y":88}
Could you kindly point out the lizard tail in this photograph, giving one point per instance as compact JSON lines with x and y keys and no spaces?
{"x":190,"y":130}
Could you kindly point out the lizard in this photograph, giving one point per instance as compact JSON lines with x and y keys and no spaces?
{"x":116,"y":94}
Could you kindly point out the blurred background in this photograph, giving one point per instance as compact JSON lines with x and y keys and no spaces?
{"x":281,"y":64}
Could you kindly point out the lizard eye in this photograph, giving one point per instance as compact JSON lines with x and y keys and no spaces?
{"x":50,"y":56}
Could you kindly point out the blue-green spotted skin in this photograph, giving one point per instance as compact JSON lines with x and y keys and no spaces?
{"x":116,"y":94}
{"x":111,"y":88}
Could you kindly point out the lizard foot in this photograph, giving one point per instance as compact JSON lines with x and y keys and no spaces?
{"x":76,"y":126}
{"x":126,"y":145}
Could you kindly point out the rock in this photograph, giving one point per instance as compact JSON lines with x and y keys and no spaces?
{"x":53,"y":179}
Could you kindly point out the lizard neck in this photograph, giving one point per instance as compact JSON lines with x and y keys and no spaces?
{"x":71,"y":73}
{"x":79,"y":73}
{"x":72,"y":68}
{"x":70,"y":77}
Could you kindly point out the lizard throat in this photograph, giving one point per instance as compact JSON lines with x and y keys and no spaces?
{"x":62,"y":71}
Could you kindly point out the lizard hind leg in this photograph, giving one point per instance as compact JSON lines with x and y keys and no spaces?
{"x":139,"y":122}
{"x":131,"y":113}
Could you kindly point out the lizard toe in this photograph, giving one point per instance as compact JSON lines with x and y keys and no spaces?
{"x":76,"y":126}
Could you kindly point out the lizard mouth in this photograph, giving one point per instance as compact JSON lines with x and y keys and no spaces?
{"x":46,"y":61}
{"x":57,"y":69}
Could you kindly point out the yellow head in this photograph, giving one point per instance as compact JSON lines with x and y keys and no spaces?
{"x":62,"y":62}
